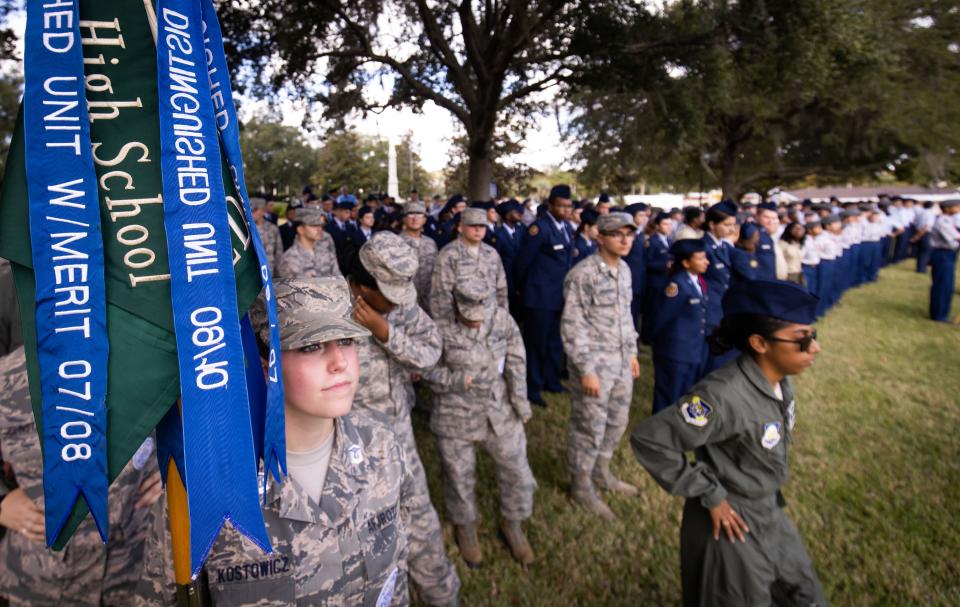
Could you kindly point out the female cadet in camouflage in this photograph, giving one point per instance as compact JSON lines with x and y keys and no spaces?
{"x":414,"y":218}
{"x":337,"y":522}
{"x":739,"y":421}
{"x":404,"y":340}
{"x":313,"y":253}
{"x":86,"y":572}
{"x":479,"y":389}
{"x":467,"y":258}
{"x":601,"y":346}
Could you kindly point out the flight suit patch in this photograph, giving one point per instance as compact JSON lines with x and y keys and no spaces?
{"x":696,"y":412}
{"x":771,"y":435}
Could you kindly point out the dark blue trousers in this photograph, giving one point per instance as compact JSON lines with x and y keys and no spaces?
{"x":671,"y":379}
{"x":541,"y":336}
{"x":825,"y":272}
{"x":924,"y":250}
{"x":810,"y":274}
{"x":944,"y":264}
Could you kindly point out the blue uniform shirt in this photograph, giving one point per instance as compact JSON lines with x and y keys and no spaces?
{"x":766,"y":257}
{"x":679,"y":331}
{"x":717,"y":276}
{"x":545,"y":256}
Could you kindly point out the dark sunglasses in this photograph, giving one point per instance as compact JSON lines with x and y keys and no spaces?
{"x":804,"y":342}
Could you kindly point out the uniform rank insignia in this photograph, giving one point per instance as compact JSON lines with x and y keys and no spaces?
{"x":771,"y":435}
{"x":696,"y":412}
{"x":533,"y":230}
{"x":355,"y":453}
{"x":672,"y":290}
{"x":753,"y":263}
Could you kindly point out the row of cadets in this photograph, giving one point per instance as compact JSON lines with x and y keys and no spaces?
{"x":658,"y":261}
{"x":545,"y":256}
{"x":679,"y":328}
{"x":636,"y":259}
{"x":508,"y":235}
{"x":945,"y":241}
{"x":719,"y":225}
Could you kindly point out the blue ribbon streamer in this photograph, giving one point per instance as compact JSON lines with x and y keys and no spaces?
{"x":219,"y":457}
{"x":273,"y":448}
{"x":67,"y":251}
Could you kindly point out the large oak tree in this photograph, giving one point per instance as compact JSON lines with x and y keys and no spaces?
{"x":484,"y":61}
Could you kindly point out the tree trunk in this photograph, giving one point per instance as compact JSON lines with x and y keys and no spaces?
{"x":728,"y":173}
{"x":479,"y":176}
{"x":479,"y":159}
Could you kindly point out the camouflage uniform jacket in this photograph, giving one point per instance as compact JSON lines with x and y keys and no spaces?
{"x":272,"y":243}
{"x":349,"y":550}
{"x":495,"y":358}
{"x":597,"y":330}
{"x":298,"y":262}
{"x":455,"y":262}
{"x":426,"y":250}
{"x":86,"y":572}
{"x":414,"y":346}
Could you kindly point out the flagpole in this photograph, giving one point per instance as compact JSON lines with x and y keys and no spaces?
{"x":179,"y":514}
{"x":187,"y":595}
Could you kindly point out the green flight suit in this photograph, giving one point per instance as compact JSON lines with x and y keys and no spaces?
{"x":740,"y":432}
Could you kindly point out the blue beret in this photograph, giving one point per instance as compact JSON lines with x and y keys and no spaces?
{"x":778,"y":299}
{"x":589,"y":217}
{"x":603,"y":198}
{"x":768,"y":206}
{"x":363,"y":211}
{"x":486,"y":205}
{"x":635,"y":208}
{"x":346,"y":204}
{"x":559,"y":191}
{"x":684,"y":248}
{"x":747,"y":230}
{"x":726,"y":206}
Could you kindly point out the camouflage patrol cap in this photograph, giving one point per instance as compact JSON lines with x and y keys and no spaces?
{"x":257,"y":203}
{"x":414,"y":207}
{"x":473,"y":298}
{"x":311,"y":216}
{"x":309,"y":311}
{"x":473,"y":217}
{"x":612,"y":222}
{"x":393,"y":263}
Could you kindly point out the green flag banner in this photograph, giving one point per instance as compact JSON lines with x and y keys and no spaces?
{"x":121,"y":85}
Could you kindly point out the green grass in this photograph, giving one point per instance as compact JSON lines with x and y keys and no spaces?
{"x":875,"y":487}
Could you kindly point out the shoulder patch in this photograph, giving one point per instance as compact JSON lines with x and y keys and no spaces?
{"x":696,"y":412}
{"x":753,"y":263}
{"x":533,"y":230}
{"x":672,"y":290}
{"x":771,"y":435}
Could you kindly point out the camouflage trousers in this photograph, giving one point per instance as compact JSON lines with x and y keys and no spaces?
{"x":597,"y":423}
{"x":430,"y":570}
{"x":514,"y":477}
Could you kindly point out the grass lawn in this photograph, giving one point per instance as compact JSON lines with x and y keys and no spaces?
{"x":875,"y":486}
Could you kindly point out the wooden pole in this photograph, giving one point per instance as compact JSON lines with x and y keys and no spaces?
{"x":187,"y":595}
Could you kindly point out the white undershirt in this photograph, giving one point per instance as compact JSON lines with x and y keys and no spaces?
{"x":778,"y":391}
{"x":309,"y":468}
